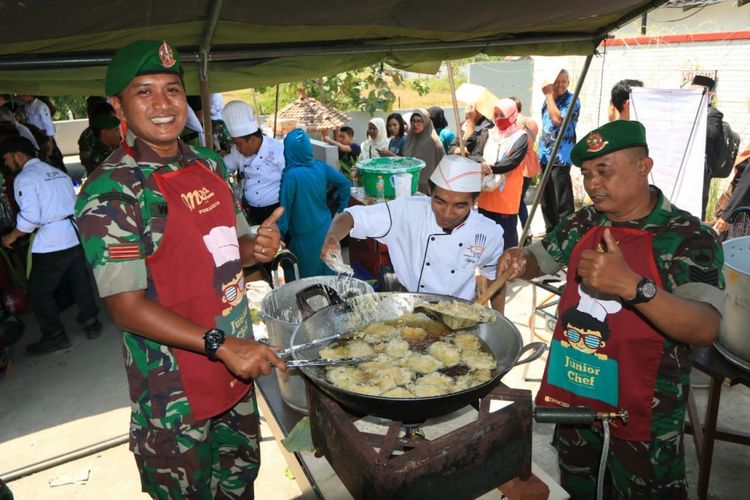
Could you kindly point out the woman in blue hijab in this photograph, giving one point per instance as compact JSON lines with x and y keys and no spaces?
{"x":307,"y":217}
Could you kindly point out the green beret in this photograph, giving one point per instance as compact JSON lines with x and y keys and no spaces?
{"x":610,"y":137}
{"x":102,"y":122}
{"x":140,"y":58}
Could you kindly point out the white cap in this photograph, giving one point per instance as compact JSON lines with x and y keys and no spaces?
{"x":239,"y":119}
{"x":223,"y":245}
{"x":597,"y":305}
{"x":458,"y":173}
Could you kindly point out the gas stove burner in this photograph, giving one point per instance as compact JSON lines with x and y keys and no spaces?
{"x":465,"y":454}
{"x":413,"y":431}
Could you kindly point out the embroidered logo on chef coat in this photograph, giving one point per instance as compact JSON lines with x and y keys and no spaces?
{"x":475,"y":250}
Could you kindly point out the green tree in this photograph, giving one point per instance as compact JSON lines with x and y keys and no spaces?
{"x":364,"y":90}
{"x":67,"y":106}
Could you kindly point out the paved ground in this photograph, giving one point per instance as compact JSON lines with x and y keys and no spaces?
{"x":61,"y":402}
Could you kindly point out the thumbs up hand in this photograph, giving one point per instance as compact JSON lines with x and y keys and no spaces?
{"x":606,"y":270}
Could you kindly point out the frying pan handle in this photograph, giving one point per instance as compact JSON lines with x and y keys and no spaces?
{"x":317,"y":290}
{"x":282,"y":256}
{"x":536,"y":348}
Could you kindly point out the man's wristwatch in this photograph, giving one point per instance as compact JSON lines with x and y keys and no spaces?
{"x":644,"y":291}
{"x":213,"y":339}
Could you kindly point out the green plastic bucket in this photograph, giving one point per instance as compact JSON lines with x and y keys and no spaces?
{"x":369,"y":170}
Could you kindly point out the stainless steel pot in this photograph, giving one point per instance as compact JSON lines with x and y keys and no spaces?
{"x":502,"y":337}
{"x":734,"y":336}
{"x":281,"y":316}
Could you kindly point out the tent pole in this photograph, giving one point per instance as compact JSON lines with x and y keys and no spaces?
{"x":455,"y":108}
{"x":205,"y":49}
{"x":276,"y":110}
{"x":206,"y":101}
{"x":548,"y":171}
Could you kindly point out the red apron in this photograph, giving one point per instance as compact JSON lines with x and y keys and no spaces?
{"x":197,"y":274}
{"x":603,"y":354}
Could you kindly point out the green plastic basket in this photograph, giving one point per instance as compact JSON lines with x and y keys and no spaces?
{"x":369,"y":170}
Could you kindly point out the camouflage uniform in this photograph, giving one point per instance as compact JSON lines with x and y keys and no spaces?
{"x":222,"y":140}
{"x":178,"y":456}
{"x":689,"y":259}
{"x":99,"y":153}
{"x":86,"y":143}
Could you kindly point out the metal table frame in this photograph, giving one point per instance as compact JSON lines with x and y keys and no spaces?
{"x":711,"y":362}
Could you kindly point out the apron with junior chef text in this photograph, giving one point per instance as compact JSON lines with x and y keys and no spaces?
{"x":603,"y":354}
{"x":197,"y":274}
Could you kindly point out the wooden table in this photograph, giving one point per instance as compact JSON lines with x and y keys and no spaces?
{"x":711,"y":362}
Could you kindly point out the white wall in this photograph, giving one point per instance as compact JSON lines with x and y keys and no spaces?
{"x":721,"y":17}
{"x":658,"y":66}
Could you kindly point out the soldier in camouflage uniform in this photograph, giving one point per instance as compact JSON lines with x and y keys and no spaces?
{"x":644,"y":309}
{"x":159,"y":228}
{"x":91,"y":150}
{"x":106,"y":129}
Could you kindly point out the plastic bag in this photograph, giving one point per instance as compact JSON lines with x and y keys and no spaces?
{"x":493,"y":182}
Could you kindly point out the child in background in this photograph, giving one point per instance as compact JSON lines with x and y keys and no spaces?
{"x":349,"y":150}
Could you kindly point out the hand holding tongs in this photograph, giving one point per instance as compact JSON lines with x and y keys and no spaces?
{"x":296,"y":363}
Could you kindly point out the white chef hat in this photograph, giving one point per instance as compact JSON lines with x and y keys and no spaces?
{"x":223,"y":245}
{"x":217,"y":106}
{"x":458,"y":173}
{"x":239,"y":119}
{"x":596,"y":305}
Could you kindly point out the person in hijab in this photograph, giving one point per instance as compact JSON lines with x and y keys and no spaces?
{"x":446,"y":135}
{"x":306,"y":216}
{"x":501,"y":158}
{"x":422,"y":142}
{"x":396,"y":133}
{"x":377,"y":139}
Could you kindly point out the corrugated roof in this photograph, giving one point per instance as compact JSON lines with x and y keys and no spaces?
{"x":314,"y":114}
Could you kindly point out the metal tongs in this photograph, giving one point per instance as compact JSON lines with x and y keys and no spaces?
{"x":306,"y":345}
{"x":297,"y":363}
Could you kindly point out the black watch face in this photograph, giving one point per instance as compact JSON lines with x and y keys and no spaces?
{"x":214,"y":336}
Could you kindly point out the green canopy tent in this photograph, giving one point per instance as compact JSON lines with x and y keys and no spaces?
{"x":62,"y":48}
{"x":48,"y":47}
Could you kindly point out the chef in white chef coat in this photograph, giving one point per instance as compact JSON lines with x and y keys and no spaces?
{"x":260,"y":159}
{"x":435,"y":243}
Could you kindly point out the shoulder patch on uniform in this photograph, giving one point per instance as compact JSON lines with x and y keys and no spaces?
{"x":708,"y":276}
{"x":124,"y":252}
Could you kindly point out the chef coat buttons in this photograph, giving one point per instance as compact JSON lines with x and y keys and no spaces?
{"x":453,"y":271}
{"x":460,"y":244}
{"x":432,"y":239}
{"x":427,"y":263}
{"x":421,"y":286}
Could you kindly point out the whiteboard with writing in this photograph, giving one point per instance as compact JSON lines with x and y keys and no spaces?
{"x":675,"y":121}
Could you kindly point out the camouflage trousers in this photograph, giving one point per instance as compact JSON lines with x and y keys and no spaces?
{"x":635,"y":469}
{"x":214,"y":458}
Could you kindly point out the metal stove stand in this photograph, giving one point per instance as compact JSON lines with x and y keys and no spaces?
{"x":464,"y":463}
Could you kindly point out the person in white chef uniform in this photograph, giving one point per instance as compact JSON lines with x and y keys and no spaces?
{"x":435,"y":243}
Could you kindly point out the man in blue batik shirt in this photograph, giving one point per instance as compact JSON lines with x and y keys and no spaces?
{"x":557,"y":201}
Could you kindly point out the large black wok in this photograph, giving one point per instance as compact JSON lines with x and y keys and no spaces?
{"x":502,"y":337}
